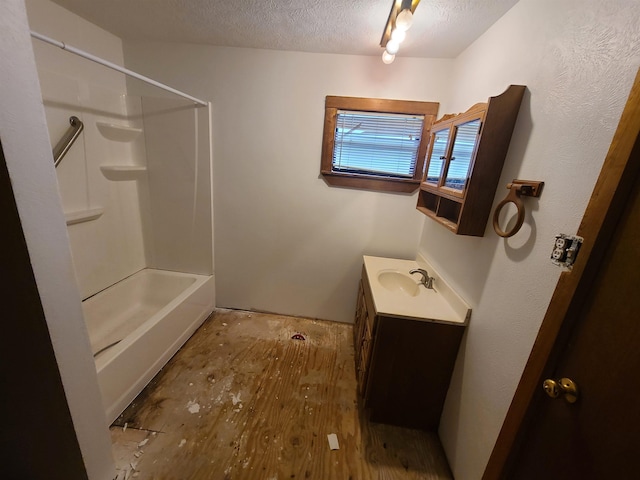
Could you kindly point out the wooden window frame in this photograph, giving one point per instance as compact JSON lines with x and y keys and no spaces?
{"x":377,"y":105}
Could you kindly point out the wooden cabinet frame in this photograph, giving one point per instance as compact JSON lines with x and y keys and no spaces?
{"x":467,"y":212}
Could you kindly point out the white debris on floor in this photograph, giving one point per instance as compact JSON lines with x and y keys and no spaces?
{"x":127,"y":450}
{"x":193,"y":407}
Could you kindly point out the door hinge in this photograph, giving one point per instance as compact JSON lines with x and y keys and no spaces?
{"x":565,"y":249}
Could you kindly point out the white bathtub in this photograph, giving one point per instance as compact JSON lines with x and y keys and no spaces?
{"x":150,"y":315}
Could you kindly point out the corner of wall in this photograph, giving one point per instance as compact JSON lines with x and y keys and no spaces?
{"x":29,"y":162}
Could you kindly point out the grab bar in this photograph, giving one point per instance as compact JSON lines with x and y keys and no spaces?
{"x":65,"y":142}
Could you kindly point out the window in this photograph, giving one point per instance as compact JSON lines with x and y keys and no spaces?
{"x":375,"y":144}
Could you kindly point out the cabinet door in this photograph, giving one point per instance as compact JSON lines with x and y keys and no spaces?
{"x":438,"y":149}
{"x":362,"y":369}
{"x":359,"y":323}
{"x":464,"y":140}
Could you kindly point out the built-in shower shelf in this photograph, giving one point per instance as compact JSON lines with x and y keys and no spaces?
{"x":81,"y":216}
{"x":118,"y":133}
{"x":123,"y":172}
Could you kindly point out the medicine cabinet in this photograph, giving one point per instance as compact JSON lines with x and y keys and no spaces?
{"x":464,"y":162}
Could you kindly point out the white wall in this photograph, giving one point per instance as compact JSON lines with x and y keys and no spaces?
{"x":285,"y":241}
{"x":578,"y":60}
{"x":28,"y":156}
{"x":180,"y":232}
{"x":111,"y":247}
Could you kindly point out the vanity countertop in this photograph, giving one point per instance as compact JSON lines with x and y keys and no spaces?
{"x":391,"y":298}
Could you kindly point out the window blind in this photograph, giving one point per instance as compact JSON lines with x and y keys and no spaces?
{"x":377,"y":143}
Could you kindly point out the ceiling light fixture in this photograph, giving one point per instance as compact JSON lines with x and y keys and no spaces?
{"x":392,"y":47}
{"x":404,"y":20}
{"x":398,"y":35}
{"x":387,"y":58}
{"x":395,"y":31}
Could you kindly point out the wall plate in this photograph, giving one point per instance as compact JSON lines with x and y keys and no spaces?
{"x":565,"y":249}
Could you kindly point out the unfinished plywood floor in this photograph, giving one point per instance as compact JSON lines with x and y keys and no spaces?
{"x":243,"y":400}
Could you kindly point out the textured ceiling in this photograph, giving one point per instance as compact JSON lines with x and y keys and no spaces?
{"x":441,"y":29}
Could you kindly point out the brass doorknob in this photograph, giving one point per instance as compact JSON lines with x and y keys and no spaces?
{"x":564,"y":387}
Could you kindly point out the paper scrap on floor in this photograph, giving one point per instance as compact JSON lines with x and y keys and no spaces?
{"x":333,"y":441}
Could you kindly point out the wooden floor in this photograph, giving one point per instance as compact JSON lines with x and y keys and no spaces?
{"x":243,"y":400}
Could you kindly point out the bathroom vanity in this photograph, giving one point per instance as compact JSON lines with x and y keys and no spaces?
{"x":406,"y":340}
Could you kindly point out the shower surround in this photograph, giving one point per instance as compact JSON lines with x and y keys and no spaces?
{"x":136,"y":192}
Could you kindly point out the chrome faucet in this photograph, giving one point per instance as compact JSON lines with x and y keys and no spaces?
{"x":427,"y":281}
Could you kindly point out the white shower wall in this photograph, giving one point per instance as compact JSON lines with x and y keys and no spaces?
{"x":111,"y":247}
{"x":180,"y":232}
{"x":157,"y":215}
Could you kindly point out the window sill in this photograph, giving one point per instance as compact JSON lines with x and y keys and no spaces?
{"x":375,"y":183}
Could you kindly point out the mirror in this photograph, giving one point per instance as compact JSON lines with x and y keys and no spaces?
{"x":438,"y":152}
{"x":464,"y":145}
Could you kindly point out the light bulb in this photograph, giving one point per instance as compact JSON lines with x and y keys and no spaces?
{"x":393,"y":46}
{"x":387,"y":58}
{"x":398,"y":35}
{"x":404,"y":20}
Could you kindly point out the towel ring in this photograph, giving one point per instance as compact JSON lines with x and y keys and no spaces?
{"x":516,"y":189}
{"x":512,"y":197}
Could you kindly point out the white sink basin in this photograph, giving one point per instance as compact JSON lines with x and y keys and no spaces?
{"x":396,"y":293}
{"x":396,"y":281}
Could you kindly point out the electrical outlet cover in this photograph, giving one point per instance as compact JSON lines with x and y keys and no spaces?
{"x":565,"y":250}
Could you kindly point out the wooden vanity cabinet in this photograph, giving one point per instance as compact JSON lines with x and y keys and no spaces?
{"x":403,"y":365}
{"x":464,"y":162}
